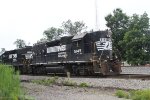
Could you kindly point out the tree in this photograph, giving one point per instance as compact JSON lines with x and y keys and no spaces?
{"x":130,"y":36}
{"x":133,"y":46}
{"x":67,"y":27}
{"x":42,"y":40}
{"x":139,"y":22}
{"x":2,"y":50}
{"x":118,"y":24}
{"x":20,"y":43}
{"x":137,"y":40}
{"x":73,"y":28}
{"x":53,"y":33}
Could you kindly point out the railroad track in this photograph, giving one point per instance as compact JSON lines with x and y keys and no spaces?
{"x":121,"y":76}
{"x":131,"y":76}
{"x":141,"y":73}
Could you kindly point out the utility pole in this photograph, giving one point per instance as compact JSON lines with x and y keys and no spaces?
{"x":96,"y":16}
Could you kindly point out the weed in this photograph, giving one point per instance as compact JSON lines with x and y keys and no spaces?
{"x":56,"y":77}
{"x":134,"y":95}
{"x":83,"y":84}
{"x":69,"y":83}
{"x":140,"y":95}
{"x":46,"y":81}
{"x":122,"y":94}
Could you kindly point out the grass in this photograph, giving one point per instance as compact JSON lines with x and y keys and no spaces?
{"x":83,"y":84}
{"x":141,"y":95}
{"x":69,"y":83}
{"x":53,"y":80}
{"x":46,"y":81}
{"x":122,"y":94}
{"x":134,"y":95}
{"x":9,"y":83}
{"x":26,"y":97}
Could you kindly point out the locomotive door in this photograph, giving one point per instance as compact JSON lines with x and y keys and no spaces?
{"x":77,"y":50}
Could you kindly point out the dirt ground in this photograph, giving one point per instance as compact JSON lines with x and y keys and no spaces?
{"x":55,"y":92}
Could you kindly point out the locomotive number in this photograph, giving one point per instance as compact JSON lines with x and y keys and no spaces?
{"x":78,"y":51}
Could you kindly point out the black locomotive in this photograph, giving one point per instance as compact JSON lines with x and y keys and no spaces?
{"x":82,"y":54}
{"x":20,"y":59}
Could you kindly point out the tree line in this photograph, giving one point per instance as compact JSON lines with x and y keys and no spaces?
{"x":67,"y":28}
{"x":130,"y":35}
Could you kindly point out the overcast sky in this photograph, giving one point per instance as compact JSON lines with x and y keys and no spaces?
{"x":27,"y":19}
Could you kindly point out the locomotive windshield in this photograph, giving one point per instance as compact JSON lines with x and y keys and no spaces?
{"x":28,"y":55}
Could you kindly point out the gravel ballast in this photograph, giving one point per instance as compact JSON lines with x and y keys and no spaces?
{"x":100,"y":88}
{"x":136,"y":70}
{"x":102,"y":82}
{"x":53,"y":92}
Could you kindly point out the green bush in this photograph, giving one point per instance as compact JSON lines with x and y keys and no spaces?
{"x":122,"y":94}
{"x":140,"y":95}
{"x":83,"y":84}
{"x":9,"y":83}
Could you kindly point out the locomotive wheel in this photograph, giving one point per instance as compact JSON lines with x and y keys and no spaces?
{"x":91,"y":72}
{"x":43,"y":70}
{"x":21,"y":70}
{"x":77,"y":72}
{"x":34,"y":70}
{"x":39,"y":70}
